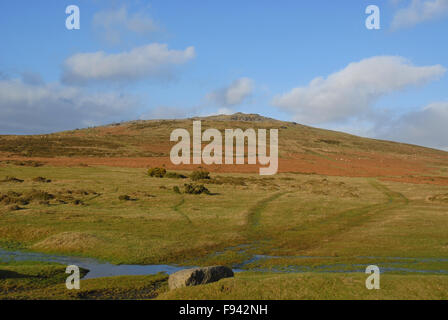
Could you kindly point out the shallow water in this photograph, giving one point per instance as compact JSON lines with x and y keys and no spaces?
{"x":99,"y":269}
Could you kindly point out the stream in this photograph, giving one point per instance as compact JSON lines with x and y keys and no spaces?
{"x":99,"y":269}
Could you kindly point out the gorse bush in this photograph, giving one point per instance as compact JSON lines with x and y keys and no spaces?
{"x":190,"y":188}
{"x":200,"y":175}
{"x":157,"y":172}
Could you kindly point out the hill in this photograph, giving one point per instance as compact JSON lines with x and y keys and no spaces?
{"x":302,"y":149}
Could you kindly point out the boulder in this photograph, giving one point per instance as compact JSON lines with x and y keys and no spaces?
{"x":197,"y":276}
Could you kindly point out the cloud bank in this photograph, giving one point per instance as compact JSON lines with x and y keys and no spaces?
{"x":30,"y":108}
{"x":234,"y":94}
{"x":419,"y":11}
{"x":150,"y":61}
{"x":353,"y":90}
{"x":113,"y":23}
{"x":427,"y":127}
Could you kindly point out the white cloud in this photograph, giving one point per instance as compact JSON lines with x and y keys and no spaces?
{"x":169,"y":112}
{"x":419,"y":11}
{"x":427,"y":127}
{"x":153,"y":60}
{"x":225,"y":111}
{"x":113,"y":23}
{"x":233,"y":94}
{"x":41,"y":108}
{"x":353,"y":90}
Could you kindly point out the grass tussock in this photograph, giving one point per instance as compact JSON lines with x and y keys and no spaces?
{"x":200,"y":175}
{"x":327,"y":187}
{"x":12,"y":179}
{"x":439,"y":198}
{"x":41,"y":180}
{"x":124,"y":197}
{"x":175,"y":175}
{"x":68,"y":241}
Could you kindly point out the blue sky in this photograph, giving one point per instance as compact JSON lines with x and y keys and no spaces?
{"x":160,"y":59}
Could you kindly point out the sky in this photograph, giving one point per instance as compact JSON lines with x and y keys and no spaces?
{"x":312,"y":62}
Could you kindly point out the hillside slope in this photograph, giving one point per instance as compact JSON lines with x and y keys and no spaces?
{"x":302,"y":149}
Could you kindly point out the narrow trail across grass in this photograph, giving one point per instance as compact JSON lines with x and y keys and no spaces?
{"x":318,"y":233}
{"x":176,"y":208}
{"x":254,"y":213}
{"x":335,"y":227}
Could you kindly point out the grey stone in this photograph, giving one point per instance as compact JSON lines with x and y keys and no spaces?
{"x":198,"y":276}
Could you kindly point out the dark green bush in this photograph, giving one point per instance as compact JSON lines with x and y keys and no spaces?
{"x":200,"y":175}
{"x":190,"y":188}
{"x":157,"y":172}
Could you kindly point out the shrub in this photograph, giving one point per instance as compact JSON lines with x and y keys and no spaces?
{"x":195,"y":189}
{"x":174,"y":175}
{"x":157,"y":172}
{"x":176,"y":189}
{"x":200,"y":175}
{"x":124,"y":197}
{"x":13,"y":198}
{"x":78,"y":202}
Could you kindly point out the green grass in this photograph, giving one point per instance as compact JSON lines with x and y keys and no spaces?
{"x":26,"y":280}
{"x":334,"y":220}
{"x":312,"y":286}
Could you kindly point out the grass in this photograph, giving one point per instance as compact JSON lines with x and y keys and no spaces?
{"x":47,"y":281}
{"x":336,"y":221}
{"x":28,"y":280}
{"x":312,"y":286}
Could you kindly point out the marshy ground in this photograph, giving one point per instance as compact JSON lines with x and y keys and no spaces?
{"x":298,"y":235}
